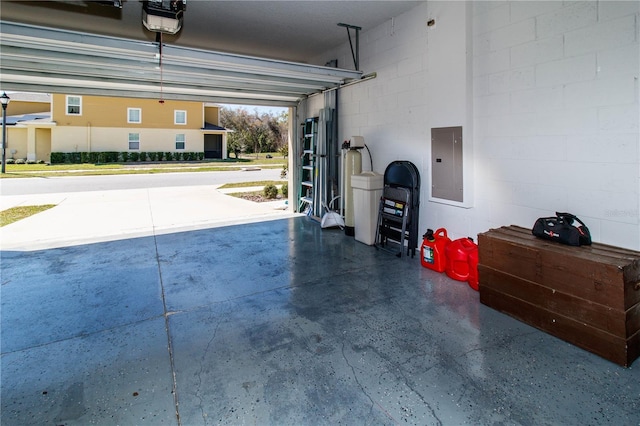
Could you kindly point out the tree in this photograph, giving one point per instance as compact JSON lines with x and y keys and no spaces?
{"x":238,"y":122}
{"x":254,"y":132}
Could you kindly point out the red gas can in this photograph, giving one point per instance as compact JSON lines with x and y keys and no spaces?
{"x":458,"y":259}
{"x":432,"y":252}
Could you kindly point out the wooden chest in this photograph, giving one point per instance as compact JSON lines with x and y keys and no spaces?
{"x":588,"y":296}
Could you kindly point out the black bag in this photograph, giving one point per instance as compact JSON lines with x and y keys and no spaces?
{"x":562,"y":230}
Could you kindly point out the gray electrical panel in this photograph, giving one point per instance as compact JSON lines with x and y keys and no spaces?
{"x":446,"y":163}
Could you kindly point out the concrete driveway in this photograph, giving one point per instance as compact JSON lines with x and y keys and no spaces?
{"x":84,"y":217}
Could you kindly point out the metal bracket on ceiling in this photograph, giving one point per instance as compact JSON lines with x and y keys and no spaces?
{"x":356,"y":53}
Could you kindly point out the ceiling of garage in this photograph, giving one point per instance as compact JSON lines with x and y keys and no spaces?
{"x":287,"y":30}
{"x":194,"y":66}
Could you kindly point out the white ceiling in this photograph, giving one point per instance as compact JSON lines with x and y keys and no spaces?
{"x":244,"y":52}
{"x":288,"y":30}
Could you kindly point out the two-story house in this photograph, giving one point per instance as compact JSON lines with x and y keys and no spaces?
{"x":75,"y":123}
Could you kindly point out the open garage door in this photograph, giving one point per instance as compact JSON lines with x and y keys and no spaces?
{"x":41,"y":59}
{"x":38,"y":59}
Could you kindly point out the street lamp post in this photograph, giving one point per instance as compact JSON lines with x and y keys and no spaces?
{"x":4,"y":99}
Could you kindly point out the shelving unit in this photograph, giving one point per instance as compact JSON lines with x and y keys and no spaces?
{"x":308,"y":172}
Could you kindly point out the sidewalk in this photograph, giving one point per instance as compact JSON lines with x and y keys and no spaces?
{"x":85,"y":217}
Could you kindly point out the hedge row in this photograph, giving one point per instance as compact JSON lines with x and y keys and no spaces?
{"x":123,"y":157}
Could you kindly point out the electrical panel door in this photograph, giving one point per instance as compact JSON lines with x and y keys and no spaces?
{"x":446,"y":163}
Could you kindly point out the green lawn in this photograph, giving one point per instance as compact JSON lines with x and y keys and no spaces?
{"x":44,"y":170}
{"x":14,"y":214}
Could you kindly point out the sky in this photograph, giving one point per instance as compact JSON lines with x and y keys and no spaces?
{"x":261,"y":109}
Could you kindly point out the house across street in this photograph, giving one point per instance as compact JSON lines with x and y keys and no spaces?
{"x":41,"y":124}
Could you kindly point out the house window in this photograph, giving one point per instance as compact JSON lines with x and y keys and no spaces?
{"x":134,"y":140}
{"x":180,"y":117}
{"x":134,"y":115}
{"x":180,"y":141}
{"x":74,"y":105}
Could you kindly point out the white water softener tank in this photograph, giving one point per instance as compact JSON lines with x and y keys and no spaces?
{"x":367,"y":190}
{"x":352,"y":166}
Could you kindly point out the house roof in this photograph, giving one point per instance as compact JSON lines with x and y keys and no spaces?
{"x":15,"y":119}
{"x":209,"y":126}
{"x":29,"y":97}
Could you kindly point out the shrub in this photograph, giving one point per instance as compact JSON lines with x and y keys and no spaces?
{"x":74,"y":158}
{"x":57,"y":158}
{"x":20,"y":161}
{"x":125,"y":156}
{"x":41,"y":162}
{"x":31,"y":161}
{"x":284,"y":150}
{"x":10,"y":161}
{"x":108,"y":157}
{"x":285,"y":189}
{"x":270,"y":191}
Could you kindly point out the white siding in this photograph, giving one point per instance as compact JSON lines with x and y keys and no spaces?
{"x":97,"y":139}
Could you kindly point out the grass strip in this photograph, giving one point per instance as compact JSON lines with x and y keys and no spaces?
{"x":123,"y":171}
{"x":15,"y":214}
{"x":249,"y":184}
{"x":90,"y":169}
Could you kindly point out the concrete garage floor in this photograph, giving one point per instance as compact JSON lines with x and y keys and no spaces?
{"x":278,"y":322}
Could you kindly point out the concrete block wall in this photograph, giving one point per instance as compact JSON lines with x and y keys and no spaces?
{"x":390,"y":109}
{"x":547,"y":94}
{"x":556,"y":114}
